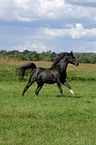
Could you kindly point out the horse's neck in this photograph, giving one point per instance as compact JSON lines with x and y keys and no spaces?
{"x":63,"y":66}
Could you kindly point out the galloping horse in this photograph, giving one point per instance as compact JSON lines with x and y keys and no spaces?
{"x":55,"y":74}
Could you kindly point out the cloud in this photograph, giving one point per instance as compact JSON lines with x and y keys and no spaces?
{"x":36,"y":9}
{"x":77,"y":32}
{"x":33,"y":10}
{"x":22,"y":4}
{"x":72,"y":38}
{"x":7,"y":10}
{"x":33,"y":46}
{"x":45,"y":24}
{"x":51,"y":10}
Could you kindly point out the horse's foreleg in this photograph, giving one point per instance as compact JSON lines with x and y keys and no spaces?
{"x":38,"y":88}
{"x":68,"y":86}
{"x":27,"y":86}
{"x":60,"y":88}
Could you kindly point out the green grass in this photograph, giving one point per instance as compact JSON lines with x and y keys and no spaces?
{"x":49,"y":118}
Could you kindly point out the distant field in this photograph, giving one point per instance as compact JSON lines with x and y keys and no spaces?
{"x":48,"y":118}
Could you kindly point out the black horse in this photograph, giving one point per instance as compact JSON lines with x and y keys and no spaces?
{"x":55,"y":74}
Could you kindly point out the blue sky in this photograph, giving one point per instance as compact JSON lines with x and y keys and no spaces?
{"x":42,"y":25}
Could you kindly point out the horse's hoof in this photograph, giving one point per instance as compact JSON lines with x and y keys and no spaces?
{"x":74,"y":95}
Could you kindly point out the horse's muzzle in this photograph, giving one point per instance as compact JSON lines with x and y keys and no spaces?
{"x":77,"y":63}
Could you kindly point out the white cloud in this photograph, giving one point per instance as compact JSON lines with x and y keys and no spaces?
{"x":50,"y":9}
{"x":77,"y":32}
{"x":20,"y":18}
{"x":29,"y":10}
{"x":22,"y":4}
{"x":33,"y":46}
{"x":44,"y":22}
{"x":7,"y":9}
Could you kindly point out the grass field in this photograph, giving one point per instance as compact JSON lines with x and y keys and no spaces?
{"x":48,"y":119}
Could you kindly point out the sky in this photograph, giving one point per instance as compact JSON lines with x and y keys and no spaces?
{"x":42,"y":25}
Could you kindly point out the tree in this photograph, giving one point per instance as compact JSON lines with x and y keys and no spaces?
{"x":19,"y":56}
{"x":84,"y":60}
{"x":48,"y":53}
{"x":33,"y":56}
{"x":93,"y":59}
{"x":25,"y":52}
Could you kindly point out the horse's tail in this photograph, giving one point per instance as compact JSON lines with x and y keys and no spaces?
{"x":21,"y":70}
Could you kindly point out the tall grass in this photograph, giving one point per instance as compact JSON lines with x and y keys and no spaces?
{"x":83,"y":72}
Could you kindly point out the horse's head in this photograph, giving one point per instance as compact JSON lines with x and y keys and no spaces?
{"x":65,"y":57}
{"x":71,"y":59}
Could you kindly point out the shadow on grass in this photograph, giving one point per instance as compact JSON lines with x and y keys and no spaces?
{"x":69,"y":96}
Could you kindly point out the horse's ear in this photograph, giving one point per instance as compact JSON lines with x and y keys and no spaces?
{"x":71,"y":52}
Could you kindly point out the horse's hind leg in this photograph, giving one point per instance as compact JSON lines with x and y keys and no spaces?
{"x":27,"y":86}
{"x":60,"y":88}
{"x":38,"y":88}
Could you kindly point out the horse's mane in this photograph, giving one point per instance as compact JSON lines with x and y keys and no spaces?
{"x":60,"y":56}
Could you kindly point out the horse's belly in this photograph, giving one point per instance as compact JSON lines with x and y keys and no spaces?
{"x":50,"y":82}
{"x":47,"y":77}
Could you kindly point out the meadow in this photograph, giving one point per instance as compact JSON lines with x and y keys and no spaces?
{"x":48,"y":119}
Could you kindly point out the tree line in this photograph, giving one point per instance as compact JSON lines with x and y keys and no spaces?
{"x":45,"y":56}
